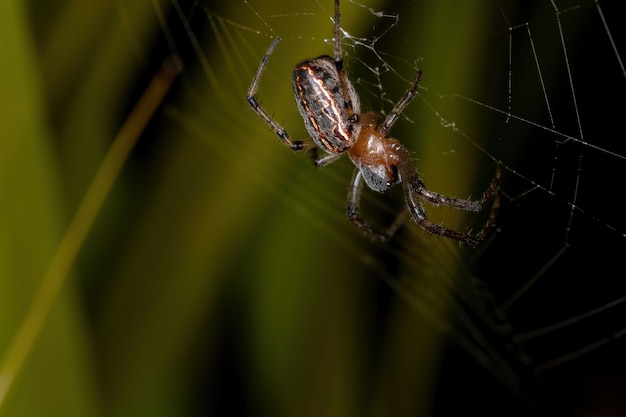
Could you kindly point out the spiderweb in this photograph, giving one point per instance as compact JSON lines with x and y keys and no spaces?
{"x":536,"y":86}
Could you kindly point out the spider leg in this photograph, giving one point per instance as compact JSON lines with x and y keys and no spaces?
{"x":419,"y":215}
{"x":322,"y":161}
{"x":339,"y":65}
{"x":392,"y":117}
{"x":294,"y":145}
{"x":463,"y":204}
{"x":495,"y":208}
{"x":415,"y":190}
{"x":338,"y":53}
{"x":353,"y":208}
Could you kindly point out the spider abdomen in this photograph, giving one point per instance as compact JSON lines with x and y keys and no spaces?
{"x":323,"y":106}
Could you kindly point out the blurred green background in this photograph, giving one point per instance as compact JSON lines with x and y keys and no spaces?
{"x":221,"y":277}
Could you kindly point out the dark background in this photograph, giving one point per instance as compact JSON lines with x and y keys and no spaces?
{"x":221,"y":275}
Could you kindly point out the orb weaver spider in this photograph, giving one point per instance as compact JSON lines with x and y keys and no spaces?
{"x":330,"y":109}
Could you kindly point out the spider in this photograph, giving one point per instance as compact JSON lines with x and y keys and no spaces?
{"x":330,"y":109}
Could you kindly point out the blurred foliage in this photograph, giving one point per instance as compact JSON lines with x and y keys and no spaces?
{"x":221,"y":275}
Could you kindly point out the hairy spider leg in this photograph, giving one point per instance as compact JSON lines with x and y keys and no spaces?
{"x":392,"y":117}
{"x":294,"y":145}
{"x":415,"y":191}
{"x":353,"y":211}
{"x":339,"y":65}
